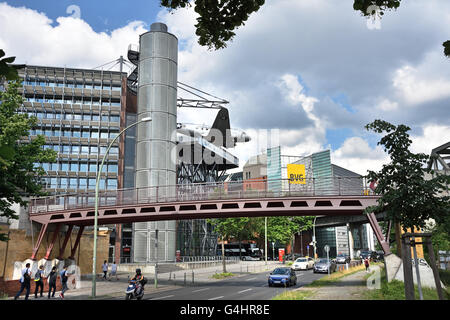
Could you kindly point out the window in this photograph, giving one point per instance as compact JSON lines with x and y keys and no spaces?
{"x":83,"y":167}
{"x":94,"y":150}
{"x":63,"y":184}
{"x":75,"y":149}
{"x":66,"y":149}
{"x":94,"y":134}
{"x":84,"y":150}
{"x":92,"y":167}
{"x":64,"y":166}
{"x":73,"y":183}
{"x":104,"y":135}
{"x":91,"y":183}
{"x":112,"y":168}
{"x":83,"y":183}
{"x":74,"y":166}
{"x":111,"y":184}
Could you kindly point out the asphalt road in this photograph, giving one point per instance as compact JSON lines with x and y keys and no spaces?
{"x":245,"y":287}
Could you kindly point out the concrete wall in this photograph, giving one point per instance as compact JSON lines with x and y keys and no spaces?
{"x":20,"y":249}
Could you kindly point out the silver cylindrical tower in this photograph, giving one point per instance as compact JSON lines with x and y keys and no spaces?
{"x":156,"y":140}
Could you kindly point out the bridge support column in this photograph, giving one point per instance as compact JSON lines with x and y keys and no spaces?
{"x":52,"y":243}
{"x":378,"y":233}
{"x":66,"y":239}
{"x":39,"y":241}
{"x":77,"y":242}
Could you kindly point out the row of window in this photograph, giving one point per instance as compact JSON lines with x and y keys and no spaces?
{"x":70,"y":116}
{"x":106,"y":85}
{"x":93,"y":150}
{"x":74,"y":133}
{"x":85,"y":101}
{"x":78,"y":183}
{"x":78,"y":167}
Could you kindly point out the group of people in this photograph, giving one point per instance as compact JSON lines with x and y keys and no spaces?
{"x":25,"y":282}
{"x":113,"y":272}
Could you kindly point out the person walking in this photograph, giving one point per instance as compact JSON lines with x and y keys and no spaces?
{"x":39,"y":281}
{"x":64,"y":279}
{"x":366,"y":263}
{"x":25,"y":281}
{"x":52,"y":282}
{"x":105,"y":269}
{"x":113,"y":271}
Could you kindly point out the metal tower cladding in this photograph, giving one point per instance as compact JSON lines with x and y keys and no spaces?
{"x":156,"y":140}
{"x":157,"y":98}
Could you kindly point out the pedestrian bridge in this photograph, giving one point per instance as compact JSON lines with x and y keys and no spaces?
{"x":316,"y":196}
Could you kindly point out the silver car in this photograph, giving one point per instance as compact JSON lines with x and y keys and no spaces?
{"x":323,"y":265}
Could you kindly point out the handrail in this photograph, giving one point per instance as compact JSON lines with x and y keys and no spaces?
{"x":252,"y":188}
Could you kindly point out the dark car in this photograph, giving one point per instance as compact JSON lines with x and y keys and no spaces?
{"x":283,"y":277}
{"x":343,"y":258}
{"x":371,"y":255}
{"x":379,"y":256}
{"x":323,"y":265}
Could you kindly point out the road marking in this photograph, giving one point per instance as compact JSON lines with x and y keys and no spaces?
{"x":250,"y":279}
{"x":244,"y":290}
{"x":162,"y":297}
{"x":216,"y":298}
{"x":201,"y":290}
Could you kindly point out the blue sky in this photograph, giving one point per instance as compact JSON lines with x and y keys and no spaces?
{"x":102,"y":15}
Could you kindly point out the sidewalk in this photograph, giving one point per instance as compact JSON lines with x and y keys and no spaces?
{"x":106,"y":289}
{"x":351,"y":287}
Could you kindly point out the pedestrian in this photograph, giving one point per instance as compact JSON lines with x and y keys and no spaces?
{"x":39,"y":281}
{"x":64,"y":279}
{"x":25,"y":281}
{"x":105,"y":269}
{"x":52,"y":282}
{"x":113,"y":271}
{"x":366,"y":263}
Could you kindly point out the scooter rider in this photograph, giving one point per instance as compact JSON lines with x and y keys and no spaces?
{"x":139,"y":277}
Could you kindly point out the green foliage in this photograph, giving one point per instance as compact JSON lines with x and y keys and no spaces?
{"x":446,"y":45}
{"x":8,"y":71}
{"x":18,"y":176}
{"x":406,"y":197}
{"x":222,"y":275}
{"x":217,"y":18}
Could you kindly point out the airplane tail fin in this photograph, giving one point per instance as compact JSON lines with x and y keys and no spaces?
{"x":221,"y":126}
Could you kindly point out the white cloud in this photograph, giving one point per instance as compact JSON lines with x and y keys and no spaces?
{"x":30,"y":37}
{"x":433,"y":136}
{"x":356,"y":155}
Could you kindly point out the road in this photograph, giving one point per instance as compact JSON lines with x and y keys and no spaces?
{"x":251,"y":286}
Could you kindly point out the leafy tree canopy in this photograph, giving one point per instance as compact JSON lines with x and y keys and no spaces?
{"x":19,"y":177}
{"x":406,"y":196}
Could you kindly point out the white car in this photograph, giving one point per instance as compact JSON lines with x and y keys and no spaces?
{"x":303,"y":264}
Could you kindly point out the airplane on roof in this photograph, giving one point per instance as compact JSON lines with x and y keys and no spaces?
{"x":220,"y":134}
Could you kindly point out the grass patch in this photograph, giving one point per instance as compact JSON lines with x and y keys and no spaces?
{"x":3,"y":295}
{"x":294,"y":295}
{"x":222,"y":275}
{"x":336,"y":276}
{"x":395,"y":290}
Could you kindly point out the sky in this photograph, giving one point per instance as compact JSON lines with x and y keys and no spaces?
{"x":309,"y":74}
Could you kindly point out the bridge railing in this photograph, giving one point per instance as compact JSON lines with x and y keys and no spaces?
{"x":253,"y":188}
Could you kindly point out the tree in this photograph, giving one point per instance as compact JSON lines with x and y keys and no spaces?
{"x":7,"y":70}
{"x":19,"y":177}
{"x":405,"y":196}
{"x":219,"y":18}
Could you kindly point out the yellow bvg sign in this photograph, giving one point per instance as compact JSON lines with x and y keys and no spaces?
{"x":296,"y":173}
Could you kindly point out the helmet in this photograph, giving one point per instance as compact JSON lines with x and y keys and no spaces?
{"x":138,"y":271}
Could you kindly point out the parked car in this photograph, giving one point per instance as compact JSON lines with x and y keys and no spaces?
{"x":303,"y":264}
{"x":343,"y":258}
{"x":282,"y":276}
{"x":288,"y":257}
{"x":323,"y":265}
{"x":371,"y":255}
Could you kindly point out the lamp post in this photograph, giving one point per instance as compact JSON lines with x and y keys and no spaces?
{"x":314,"y":236}
{"x":94,"y":260}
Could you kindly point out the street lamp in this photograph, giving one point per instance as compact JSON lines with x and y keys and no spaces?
{"x":314,"y":236}
{"x":94,"y":260}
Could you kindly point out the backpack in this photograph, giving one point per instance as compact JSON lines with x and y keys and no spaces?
{"x":26,"y":276}
{"x":63,"y":276}
{"x":37,"y":276}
